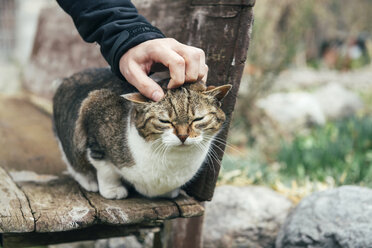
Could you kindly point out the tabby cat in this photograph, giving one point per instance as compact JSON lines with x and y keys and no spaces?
{"x":112,"y":137}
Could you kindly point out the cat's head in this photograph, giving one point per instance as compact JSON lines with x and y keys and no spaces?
{"x":187,"y":115}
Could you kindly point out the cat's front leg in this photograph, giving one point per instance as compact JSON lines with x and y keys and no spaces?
{"x":109,"y":180}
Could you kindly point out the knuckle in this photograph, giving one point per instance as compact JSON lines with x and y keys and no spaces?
{"x":196,"y":55}
{"x":200,"y":51}
{"x":179,"y":61}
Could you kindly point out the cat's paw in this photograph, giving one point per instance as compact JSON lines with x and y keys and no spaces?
{"x":173,"y":194}
{"x":114,"y":192}
{"x":90,"y":185}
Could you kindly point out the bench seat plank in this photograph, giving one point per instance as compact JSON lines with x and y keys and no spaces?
{"x":15,"y":213}
{"x":138,"y":209}
{"x":58,"y":205}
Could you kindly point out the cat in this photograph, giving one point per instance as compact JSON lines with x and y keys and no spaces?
{"x":112,"y":137}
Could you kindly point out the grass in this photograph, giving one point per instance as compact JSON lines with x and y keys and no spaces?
{"x":338,"y":153}
{"x":245,"y":171}
{"x":340,"y":150}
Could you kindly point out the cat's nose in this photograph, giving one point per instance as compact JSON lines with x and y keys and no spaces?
{"x":183,"y":137}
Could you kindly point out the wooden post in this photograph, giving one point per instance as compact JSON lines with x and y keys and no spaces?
{"x":180,"y":233}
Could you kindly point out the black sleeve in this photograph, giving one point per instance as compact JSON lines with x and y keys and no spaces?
{"x":114,"y":24}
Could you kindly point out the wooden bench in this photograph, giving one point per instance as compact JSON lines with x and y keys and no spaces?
{"x":40,"y":204}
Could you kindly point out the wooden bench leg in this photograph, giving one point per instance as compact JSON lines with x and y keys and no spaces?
{"x":180,"y":233}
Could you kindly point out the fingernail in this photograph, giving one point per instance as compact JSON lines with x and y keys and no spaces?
{"x":156,"y":96}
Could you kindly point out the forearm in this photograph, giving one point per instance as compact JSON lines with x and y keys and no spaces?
{"x":114,"y":24}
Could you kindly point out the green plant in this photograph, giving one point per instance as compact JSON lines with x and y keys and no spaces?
{"x":341,"y":150}
{"x":246,"y":170}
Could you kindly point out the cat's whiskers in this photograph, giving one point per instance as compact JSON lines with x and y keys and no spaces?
{"x":223,"y":142}
{"x":213,"y":145}
{"x":162,"y":154}
{"x":156,"y":153}
{"x":212,"y":150}
{"x":164,"y":157}
{"x":210,"y":156}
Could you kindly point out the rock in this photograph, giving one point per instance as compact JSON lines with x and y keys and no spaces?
{"x":337,"y":102}
{"x":306,"y":78}
{"x":358,"y":80}
{"x":244,"y":217}
{"x":292,"y":111}
{"x":301,"y":78}
{"x":339,"y":217}
{"x":295,"y":110}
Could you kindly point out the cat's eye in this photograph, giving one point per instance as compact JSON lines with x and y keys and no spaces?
{"x":164,"y":121}
{"x":198,"y":119}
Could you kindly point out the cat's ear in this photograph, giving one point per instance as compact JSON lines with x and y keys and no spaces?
{"x":218,"y":92}
{"x":136,"y":98}
{"x":210,"y":87}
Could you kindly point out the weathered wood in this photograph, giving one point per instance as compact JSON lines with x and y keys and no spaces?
{"x":188,"y":207}
{"x":15,"y":240}
{"x":158,"y":13}
{"x":58,"y":205}
{"x":226,"y":57}
{"x":182,"y":233}
{"x":138,"y":209}
{"x":15,"y":213}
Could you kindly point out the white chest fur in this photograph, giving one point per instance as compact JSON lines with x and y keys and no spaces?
{"x":159,"y":170}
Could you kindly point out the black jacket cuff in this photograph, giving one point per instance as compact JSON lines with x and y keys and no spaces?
{"x":128,"y":39}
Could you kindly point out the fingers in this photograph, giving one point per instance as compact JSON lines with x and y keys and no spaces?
{"x":196,"y":69}
{"x":145,"y":85}
{"x":185,"y":63}
{"x":174,"y":62}
{"x":192,"y":57}
{"x":203,"y":72}
{"x":204,"y":75}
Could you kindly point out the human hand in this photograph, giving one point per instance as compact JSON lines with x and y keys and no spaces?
{"x":185,"y":63}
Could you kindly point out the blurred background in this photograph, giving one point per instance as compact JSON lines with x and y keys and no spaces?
{"x":305,"y":99}
{"x":303,"y":117}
